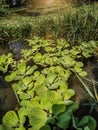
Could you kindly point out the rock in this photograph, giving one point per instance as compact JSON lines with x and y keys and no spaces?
{"x":15,"y":48}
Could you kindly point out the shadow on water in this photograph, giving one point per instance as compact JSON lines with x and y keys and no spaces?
{"x":8,"y":100}
{"x":87,"y":106}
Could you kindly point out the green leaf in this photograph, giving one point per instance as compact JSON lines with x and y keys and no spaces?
{"x":86,"y":53}
{"x":51,"y":77}
{"x":3,"y":59}
{"x":34,"y":103}
{"x":56,"y":85}
{"x":58,"y":69}
{"x":24,"y":103}
{"x":88,"y":121}
{"x":73,"y":107}
{"x":69,"y":61}
{"x":46,"y":71}
{"x":83,"y":73}
{"x":74,"y":123}
{"x":20,"y":128}
{"x":79,"y":64}
{"x":27,"y":80}
{"x":4,"y":127}
{"x":10,"y":119}
{"x":64,"y":119}
{"x":46,"y":127}
{"x":58,"y":108}
{"x":54,"y":97}
{"x":38,"y":56}
{"x":63,"y":86}
{"x":49,"y":49}
{"x":37,"y":117}
{"x":31,"y":70}
{"x":22,"y":113}
{"x":36,"y":73}
{"x":11,"y":77}
{"x":69,"y":93}
{"x":24,"y":96}
{"x":87,"y":128}
{"x":83,"y":121}
{"x":40,"y":80}
{"x":51,"y":120}
{"x":78,"y":69}
{"x":22,"y":67}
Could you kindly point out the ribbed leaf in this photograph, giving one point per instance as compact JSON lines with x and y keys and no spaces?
{"x":11,"y":119}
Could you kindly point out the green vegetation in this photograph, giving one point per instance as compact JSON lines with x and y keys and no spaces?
{"x":40,"y":78}
{"x":74,"y":24}
{"x":40,"y":82}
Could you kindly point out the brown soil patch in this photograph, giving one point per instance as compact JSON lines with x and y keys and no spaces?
{"x":33,"y":4}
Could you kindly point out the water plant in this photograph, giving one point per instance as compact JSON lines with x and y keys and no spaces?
{"x":40,"y":80}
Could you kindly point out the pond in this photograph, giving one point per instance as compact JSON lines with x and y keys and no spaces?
{"x":51,"y":74}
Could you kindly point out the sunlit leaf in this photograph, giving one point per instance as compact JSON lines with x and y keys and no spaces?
{"x":50,"y":77}
{"x":69,"y":61}
{"x":40,"y":79}
{"x":20,"y":128}
{"x":10,"y":119}
{"x":24,"y":96}
{"x":83,"y":73}
{"x":3,"y":58}
{"x":22,"y":67}
{"x":27,"y":80}
{"x":46,"y":71}
{"x":11,"y":77}
{"x":77,"y":69}
{"x":69,"y":93}
{"x":38,"y":56}
{"x":56,"y":85}
{"x":37,"y":117}
{"x":31,"y":70}
{"x":36,"y":73}
{"x":24,"y":103}
{"x":79,"y":64}
{"x":22,"y":113}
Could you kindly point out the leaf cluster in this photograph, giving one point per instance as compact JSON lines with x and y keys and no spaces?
{"x":42,"y":87}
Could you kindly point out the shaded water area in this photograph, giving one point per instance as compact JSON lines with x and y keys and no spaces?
{"x":87,"y":105}
{"x":8,"y":100}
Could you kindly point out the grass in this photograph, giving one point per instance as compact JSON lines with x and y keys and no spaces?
{"x":75,"y":24}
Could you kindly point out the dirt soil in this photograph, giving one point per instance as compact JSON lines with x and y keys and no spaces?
{"x":33,"y":4}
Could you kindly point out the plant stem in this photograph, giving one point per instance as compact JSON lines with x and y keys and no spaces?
{"x":85,"y":86}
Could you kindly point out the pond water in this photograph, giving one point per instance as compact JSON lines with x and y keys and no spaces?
{"x":8,"y":100}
